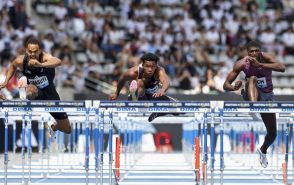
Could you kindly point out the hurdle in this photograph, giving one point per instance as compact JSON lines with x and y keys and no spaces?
{"x":244,"y":108}
{"x":210,"y":111}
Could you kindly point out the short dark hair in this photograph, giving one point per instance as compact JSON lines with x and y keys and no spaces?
{"x":253,"y":44}
{"x":31,"y":95}
{"x":32,"y":40}
{"x":150,"y":57}
{"x":32,"y":92}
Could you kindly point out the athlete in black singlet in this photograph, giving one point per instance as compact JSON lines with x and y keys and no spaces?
{"x":152,"y":81}
{"x":39,"y":69}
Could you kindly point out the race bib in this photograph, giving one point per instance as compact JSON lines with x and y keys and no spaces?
{"x":40,"y":82}
{"x":261,"y":82}
{"x":152,"y":90}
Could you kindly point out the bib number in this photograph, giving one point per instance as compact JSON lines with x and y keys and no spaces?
{"x":261,"y":82}
{"x":40,"y":82}
{"x":152,"y":90}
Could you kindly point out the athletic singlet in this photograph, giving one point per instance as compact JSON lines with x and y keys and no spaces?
{"x":264,"y":76}
{"x":153,"y":84}
{"x":40,"y":77}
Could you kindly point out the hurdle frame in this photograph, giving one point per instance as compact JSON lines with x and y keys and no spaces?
{"x":181,"y":107}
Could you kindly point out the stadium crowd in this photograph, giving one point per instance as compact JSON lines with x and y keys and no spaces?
{"x":197,"y":40}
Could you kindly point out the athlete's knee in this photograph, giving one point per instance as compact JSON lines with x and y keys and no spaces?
{"x":271,"y":135}
{"x":252,"y":79}
{"x":68,"y":130}
{"x":32,"y":92}
{"x":140,"y":83}
{"x":141,"y":87}
{"x":64,"y":126}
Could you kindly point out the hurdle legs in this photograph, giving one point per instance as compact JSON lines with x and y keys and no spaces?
{"x":212,"y":146}
{"x":87,"y":139}
{"x":29,"y":146}
{"x":110,"y":146}
{"x":14,"y":138}
{"x":48,"y":155}
{"x":6,"y":148}
{"x":221,"y":114}
{"x":125,"y":142}
{"x":96,"y":143}
{"x":101,"y":139}
{"x":205,"y":158}
{"x":285,"y":166}
{"x":41,"y":142}
{"x":23,"y":146}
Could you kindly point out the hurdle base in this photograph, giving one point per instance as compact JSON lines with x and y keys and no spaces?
{"x":211,"y":177}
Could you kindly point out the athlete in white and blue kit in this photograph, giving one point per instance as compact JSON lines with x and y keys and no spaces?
{"x":39,"y":69}
{"x":151,"y":79}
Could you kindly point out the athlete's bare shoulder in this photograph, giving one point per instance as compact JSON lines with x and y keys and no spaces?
{"x":18,"y":61}
{"x":160,"y":69}
{"x":132,"y":73}
{"x":267,"y":56}
{"x":46,"y":55}
{"x":239,"y":64}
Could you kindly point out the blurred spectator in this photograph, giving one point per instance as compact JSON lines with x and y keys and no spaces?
{"x":197,"y":41}
{"x":60,"y":12}
{"x":31,"y":30}
{"x":76,"y":81}
{"x":267,"y":38}
{"x":6,"y":51}
{"x":184,"y":78}
{"x":48,"y":42}
{"x":288,"y":41}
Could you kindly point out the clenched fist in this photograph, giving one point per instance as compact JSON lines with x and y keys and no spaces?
{"x":34,"y":63}
{"x":238,"y":85}
{"x":112,"y":97}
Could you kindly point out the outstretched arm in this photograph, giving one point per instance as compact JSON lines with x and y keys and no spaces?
{"x":232,"y":76}
{"x":11,"y":70}
{"x":272,"y":63}
{"x":128,"y":75}
{"x":164,"y":80}
{"x":49,"y":62}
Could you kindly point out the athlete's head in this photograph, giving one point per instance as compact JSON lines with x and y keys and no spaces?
{"x":33,"y":48}
{"x":32,"y":92}
{"x":253,"y":49}
{"x":149,"y":63}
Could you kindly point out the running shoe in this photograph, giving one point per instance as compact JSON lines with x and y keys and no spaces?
{"x":155,"y":115}
{"x":52,"y":134}
{"x":262,"y":158}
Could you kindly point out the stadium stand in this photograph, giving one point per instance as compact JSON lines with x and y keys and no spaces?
{"x":197,"y":40}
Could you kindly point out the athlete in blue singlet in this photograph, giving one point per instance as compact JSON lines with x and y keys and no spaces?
{"x":258,"y":67}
